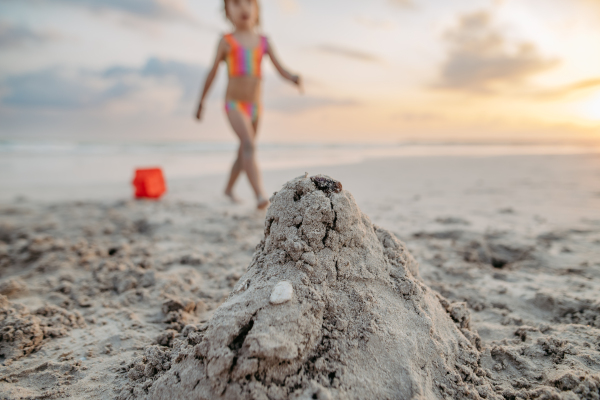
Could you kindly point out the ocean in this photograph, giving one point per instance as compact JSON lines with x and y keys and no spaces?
{"x":25,"y":165}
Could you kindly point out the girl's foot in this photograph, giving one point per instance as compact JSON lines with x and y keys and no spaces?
{"x":232,"y":197}
{"x":263,"y":203}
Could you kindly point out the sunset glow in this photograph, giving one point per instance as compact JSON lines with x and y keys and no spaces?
{"x":387,"y":70}
{"x":590,"y":108}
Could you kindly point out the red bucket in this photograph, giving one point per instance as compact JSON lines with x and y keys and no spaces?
{"x":149,"y":183}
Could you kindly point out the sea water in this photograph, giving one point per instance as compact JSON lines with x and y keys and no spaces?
{"x":26,"y":166}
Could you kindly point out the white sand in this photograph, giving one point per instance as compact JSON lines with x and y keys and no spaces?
{"x":139,"y":273}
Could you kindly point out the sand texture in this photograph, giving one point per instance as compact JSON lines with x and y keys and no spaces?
{"x":104,"y":300}
{"x":87,"y":287}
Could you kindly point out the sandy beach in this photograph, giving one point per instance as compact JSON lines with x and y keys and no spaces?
{"x":95,"y":285}
{"x":300,"y":200}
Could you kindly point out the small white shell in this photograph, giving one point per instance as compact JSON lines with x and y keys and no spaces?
{"x":282,"y":292}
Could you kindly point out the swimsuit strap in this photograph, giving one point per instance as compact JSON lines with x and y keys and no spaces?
{"x":230,"y":40}
{"x":264,"y":43}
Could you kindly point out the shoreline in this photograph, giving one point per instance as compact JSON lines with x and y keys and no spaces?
{"x":56,"y":179}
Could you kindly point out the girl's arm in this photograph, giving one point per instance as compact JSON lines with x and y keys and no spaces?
{"x":296,"y":79}
{"x":221,"y":51}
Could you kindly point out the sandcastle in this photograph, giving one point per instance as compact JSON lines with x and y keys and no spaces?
{"x":331,"y":307}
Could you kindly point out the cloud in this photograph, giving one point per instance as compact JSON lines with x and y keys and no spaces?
{"x":348,"y":53}
{"x":186,"y":75}
{"x":581,"y":85}
{"x":402,"y":3}
{"x":289,"y":6}
{"x":58,"y":88}
{"x":594,"y":4}
{"x":419,"y":117}
{"x":149,"y":9}
{"x":297,"y":104}
{"x":375,"y":23}
{"x":481,"y":59}
{"x":16,"y":36}
{"x":63,"y":89}
{"x":567,"y":89}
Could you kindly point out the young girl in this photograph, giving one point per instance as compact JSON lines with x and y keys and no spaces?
{"x":243,"y":50}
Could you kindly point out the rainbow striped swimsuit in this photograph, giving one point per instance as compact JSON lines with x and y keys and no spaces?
{"x":242,"y":61}
{"x":250,"y":109}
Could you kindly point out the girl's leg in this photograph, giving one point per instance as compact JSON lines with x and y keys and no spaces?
{"x":245,"y":131}
{"x":236,"y":170}
{"x":265,"y":202}
{"x":255,"y":127}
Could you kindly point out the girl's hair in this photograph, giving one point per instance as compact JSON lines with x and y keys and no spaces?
{"x":257,"y":10}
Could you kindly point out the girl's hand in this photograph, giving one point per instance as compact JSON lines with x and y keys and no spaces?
{"x":297,"y":79}
{"x":199,"y":112}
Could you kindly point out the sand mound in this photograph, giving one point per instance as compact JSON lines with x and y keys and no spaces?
{"x":330,"y":307}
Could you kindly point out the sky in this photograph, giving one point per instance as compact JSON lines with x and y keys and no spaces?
{"x":510,"y":71}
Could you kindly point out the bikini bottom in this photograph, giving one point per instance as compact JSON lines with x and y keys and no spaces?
{"x":250,"y":109}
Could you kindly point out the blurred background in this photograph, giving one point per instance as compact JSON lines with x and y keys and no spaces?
{"x":88,"y":84}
